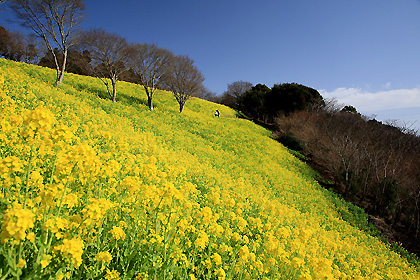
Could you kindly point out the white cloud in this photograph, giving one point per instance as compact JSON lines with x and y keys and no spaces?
{"x":371,"y":102}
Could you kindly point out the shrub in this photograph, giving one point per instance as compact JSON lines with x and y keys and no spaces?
{"x":290,"y":142}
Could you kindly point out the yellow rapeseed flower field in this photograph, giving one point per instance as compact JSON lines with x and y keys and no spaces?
{"x":92,"y":189}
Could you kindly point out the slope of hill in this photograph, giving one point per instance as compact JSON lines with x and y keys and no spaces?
{"x":95,"y":189}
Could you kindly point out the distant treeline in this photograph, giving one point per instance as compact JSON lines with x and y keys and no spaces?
{"x":265,"y":104}
{"x":372,"y":164}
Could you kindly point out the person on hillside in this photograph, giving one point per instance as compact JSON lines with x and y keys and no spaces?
{"x":217,"y":114}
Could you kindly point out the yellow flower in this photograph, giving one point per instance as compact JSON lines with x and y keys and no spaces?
{"x":40,"y":119}
{"x":21,"y":263}
{"x":202,"y":240}
{"x":70,"y":200}
{"x":61,"y":133}
{"x":221,"y":273}
{"x":244,"y":253}
{"x":16,"y":221}
{"x":46,"y":259}
{"x":297,"y":262}
{"x":241,"y":223}
{"x":112,"y":275}
{"x":217,"y":259}
{"x":31,"y":237}
{"x":304,"y":234}
{"x":142,"y":276}
{"x":10,"y":164}
{"x":230,"y":202}
{"x":217,"y":229}
{"x":103,"y":256}
{"x":225,"y":248}
{"x":123,"y":224}
{"x":57,"y":225}
{"x":117,"y":233}
{"x":259,"y":266}
{"x":72,"y":250}
{"x":236,"y":236}
{"x":305,"y":277}
{"x":206,"y":214}
{"x":96,"y":209}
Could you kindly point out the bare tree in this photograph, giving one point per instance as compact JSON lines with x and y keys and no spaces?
{"x":5,"y":42}
{"x":233,"y":92}
{"x":148,"y":63}
{"x":34,"y":50}
{"x":109,"y":54}
{"x":238,"y":88}
{"x":17,"y":46}
{"x":53,"y":21}
{"x":209,"y":95}
{"x":183,"y":79}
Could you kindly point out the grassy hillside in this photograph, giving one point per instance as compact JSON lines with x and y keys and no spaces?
{"x":95,"y":189}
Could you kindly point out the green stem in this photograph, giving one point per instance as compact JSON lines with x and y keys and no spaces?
{"x":65,"y":188}
{"x":62,"y":196}
{"x":164,"y":233}
{"x":10,"y":257}
{"x":28,"y":172}
{"x":5,"y":276}
{"x":157,"y":212}
{"x":53,"y":167}
{"x":20,"y":250}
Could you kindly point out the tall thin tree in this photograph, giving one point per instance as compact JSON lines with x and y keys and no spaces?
{"x":149,"y":64}
{"x":53,"y":21}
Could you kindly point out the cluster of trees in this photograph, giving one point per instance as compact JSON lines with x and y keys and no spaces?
{"x":372,"y":164}
{"x":77,"y":62}
{"x":234,"y":91}
{"x":97,"y":52}
{"x":264,"y":104}
{"x":17,"y":46}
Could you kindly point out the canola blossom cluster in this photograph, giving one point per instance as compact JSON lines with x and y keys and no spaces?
{"x":92,"y":189}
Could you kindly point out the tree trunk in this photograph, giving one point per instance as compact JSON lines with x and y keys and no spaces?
{"x":107,"y":88}
{"x":150,"y":102}
{"x":60,"y":74}
{"x":114,"y":90}
{"x":181,"y":106}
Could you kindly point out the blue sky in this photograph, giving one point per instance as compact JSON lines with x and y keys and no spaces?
{"x":365,"y":53}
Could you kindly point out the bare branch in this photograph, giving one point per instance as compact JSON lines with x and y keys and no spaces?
{"x":109,"y":53}
{"x":53,"y":21}
{"x":148,"y":63}
{"x":183,"y":79}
